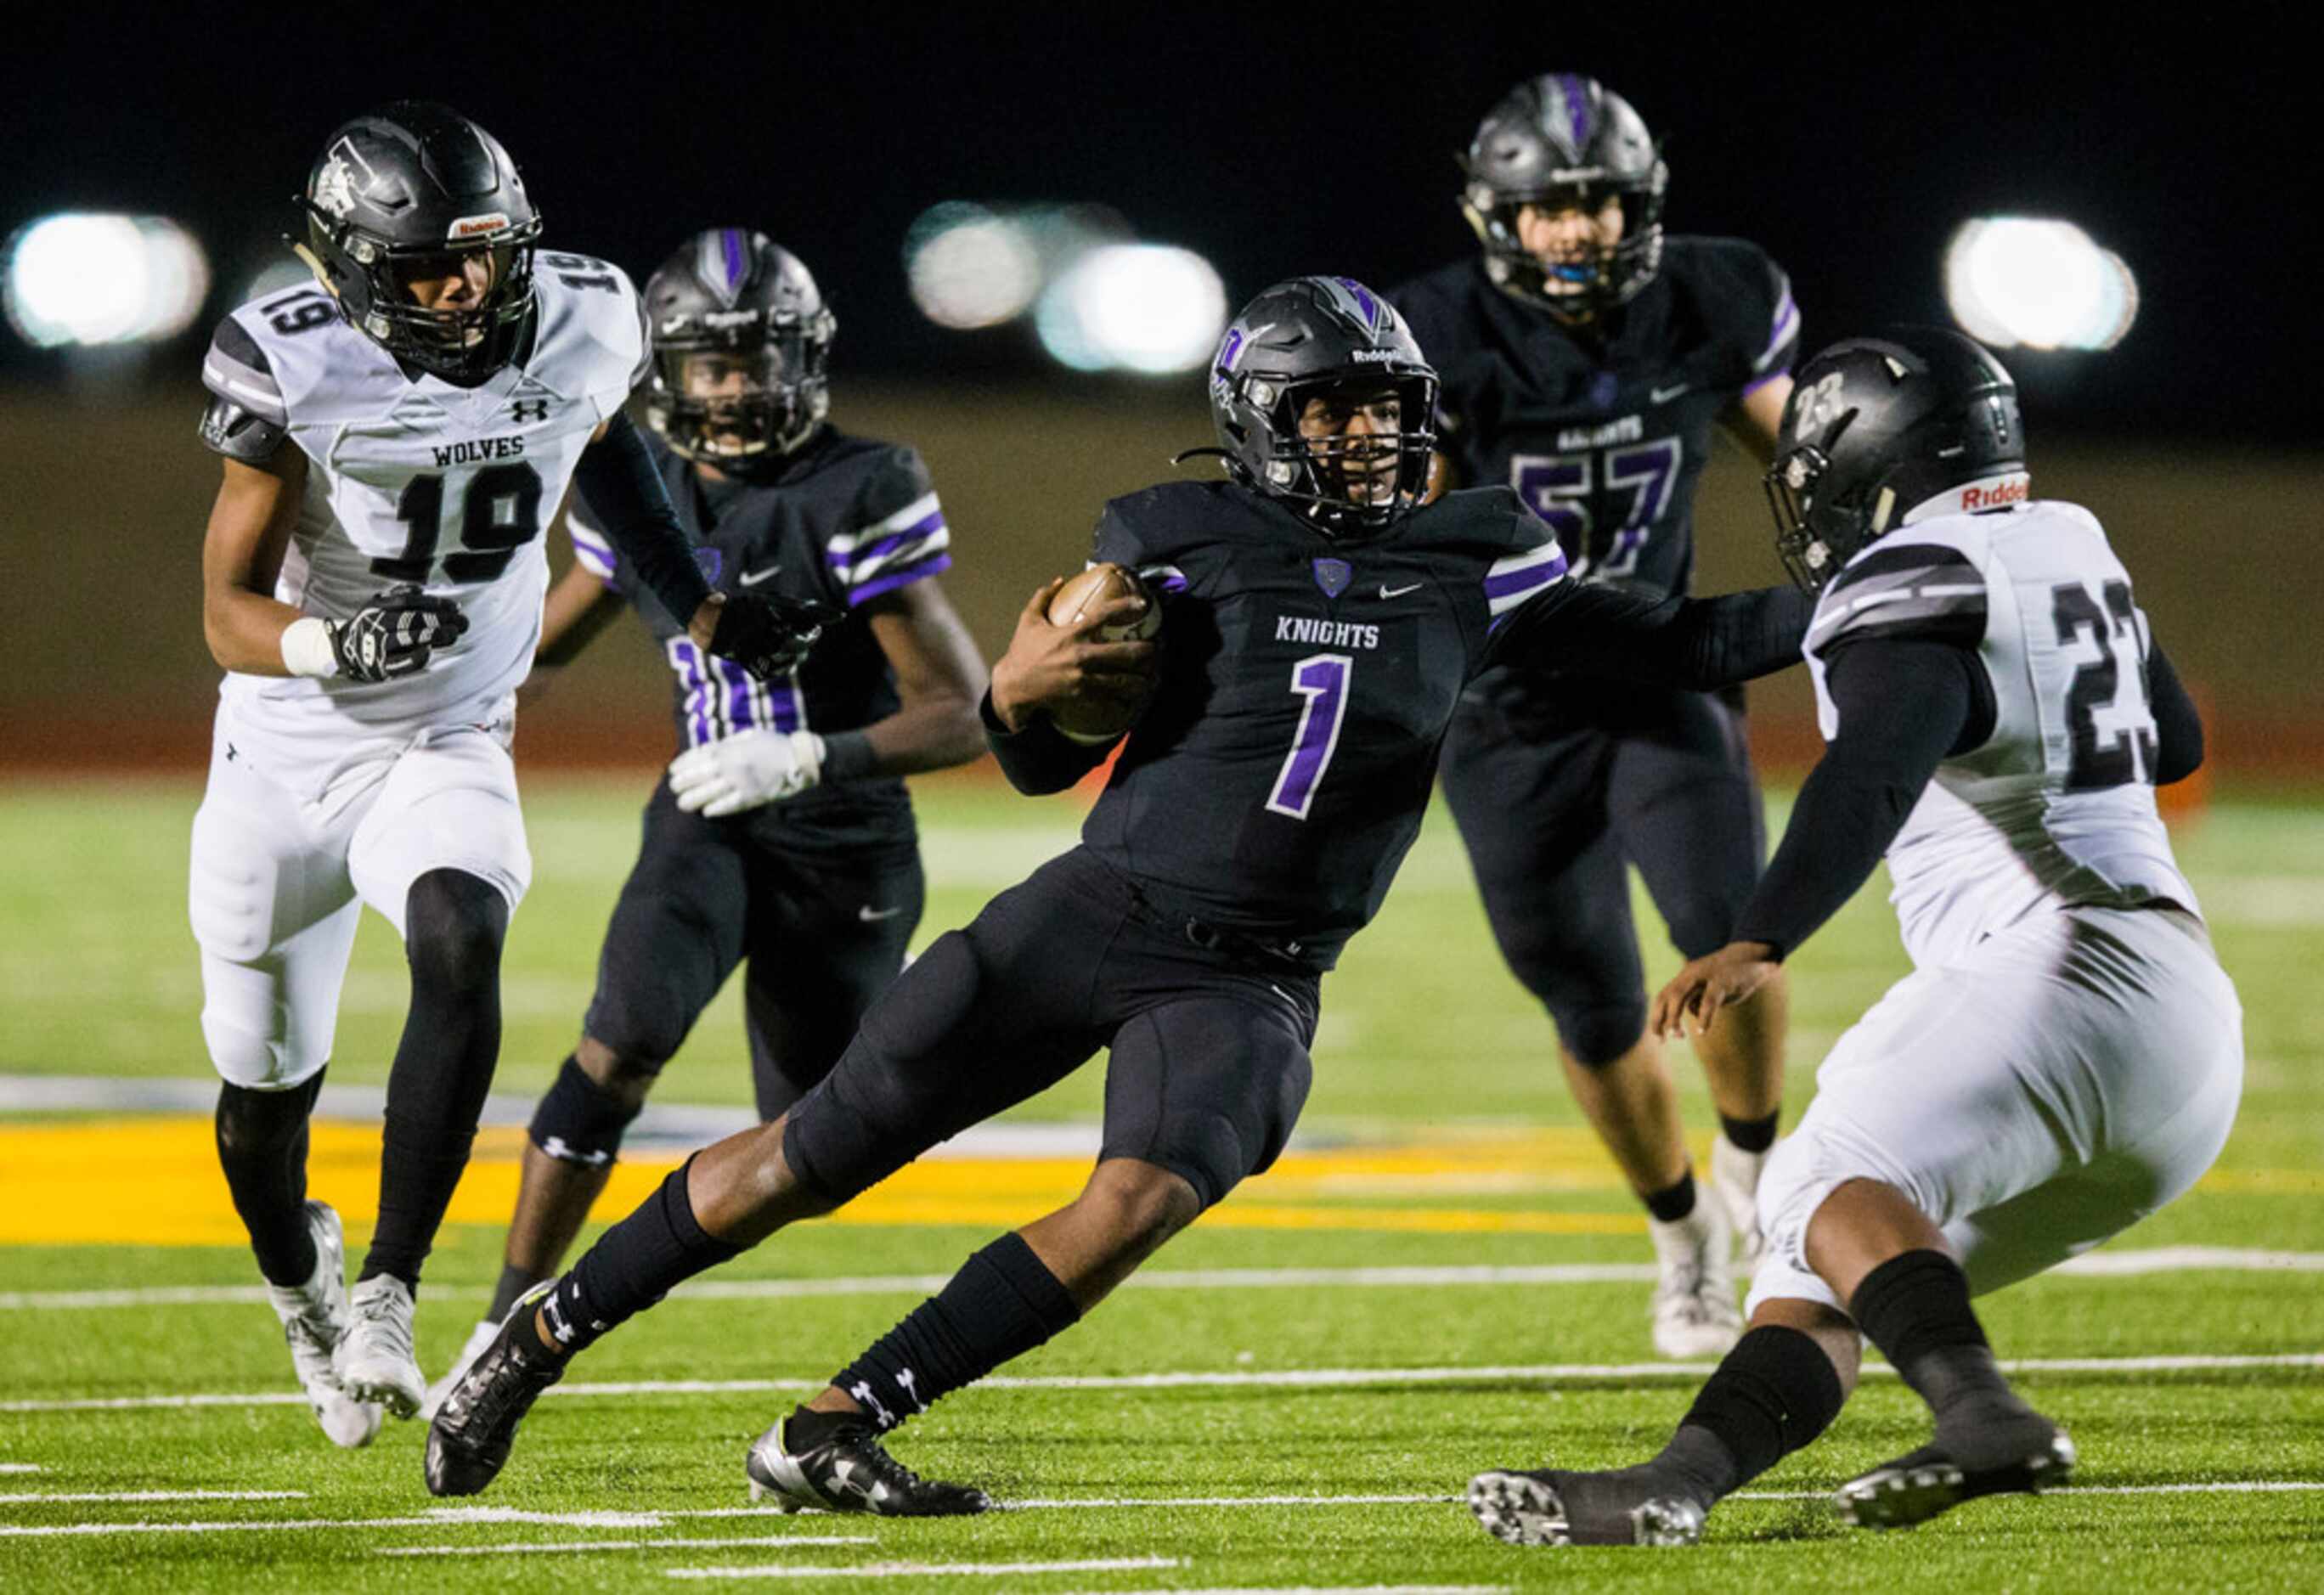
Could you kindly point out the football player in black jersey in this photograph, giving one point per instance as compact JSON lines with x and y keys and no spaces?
{"x":782,"y":838}
{"x":1319,"y":623}
{"x":1586,"y":358}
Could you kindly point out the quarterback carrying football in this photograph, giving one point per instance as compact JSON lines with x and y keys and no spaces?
{"x":391,"y":437}
{"x":1318,"y":622}
{"x":2067,"y":1054}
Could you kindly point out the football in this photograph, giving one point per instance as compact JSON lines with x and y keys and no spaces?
{"x":1093,"y":723}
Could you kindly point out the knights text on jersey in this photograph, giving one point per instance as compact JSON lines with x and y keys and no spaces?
{"x":1607,"y":445}
{"x":2056,"y":808}
{"x":411,"y":479}
{"x":846,"y":520}
{"x":1278,"y":777}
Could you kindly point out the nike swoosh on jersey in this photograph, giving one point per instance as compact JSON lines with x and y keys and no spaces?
{"x":752,"y":579}
{"x":871,"y":916}
{"x":1665,"y":395}
{"x":1389,"y":592}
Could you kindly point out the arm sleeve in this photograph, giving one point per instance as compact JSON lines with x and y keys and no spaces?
{"x":2178,"y":727}
{"x":1903,"y":707}
{"x":1775,"y":357}
{"x":1038,"y":758}
{"x":1693,"y":642}
{"x":626,"y":498}
{"x":898,"y":535}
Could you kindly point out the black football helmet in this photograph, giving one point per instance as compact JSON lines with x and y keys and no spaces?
{"x":1879,"y":427}
{"x":408,"y":193}
{"x":1302,"y":337}
{"x":1564,"y":140}
{"x":740,"y":295}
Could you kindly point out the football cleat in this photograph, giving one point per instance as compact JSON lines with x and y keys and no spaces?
{"x":852,"y":1471}
{"x":469,"y":1439}
{"x":1693,"y":1308}
{"x":374,"y":1360}
{"x":1924,"y":1483}
{"x":1550,"y":1508}
{"x":478,"y":1338}
{"x":314,"y":1318}
{"x":1735,"y":1184}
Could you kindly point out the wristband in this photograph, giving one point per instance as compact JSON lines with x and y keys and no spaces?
{"x":847,"y":756}
{"x":307,"y":648}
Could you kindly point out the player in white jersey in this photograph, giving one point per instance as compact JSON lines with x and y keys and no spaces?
{"x":2067,"y":1054}
{"x":393,"y":438}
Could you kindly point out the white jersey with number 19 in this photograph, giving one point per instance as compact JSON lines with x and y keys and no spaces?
{"x":2056,"y":807}
{"x":412,"y":479}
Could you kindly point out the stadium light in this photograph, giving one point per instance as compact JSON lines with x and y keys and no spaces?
{"x":969,"y":267}
{"x":80,"y":279}
{"x":1148,"y":308}
{"x":2043,"y":283}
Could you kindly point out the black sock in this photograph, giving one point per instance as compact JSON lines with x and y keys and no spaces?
{"x":633,"y":1265}
{"x":1750,"y":1135}
{"x":514,"y":1283}
{"x":1673,"y":1202}
{"x":1915,"y":1308}
{"x":1772,"y":1394}
{"x":1003,"y":1303}
{"x":454,"y":924}
{"x":262,"y":1145}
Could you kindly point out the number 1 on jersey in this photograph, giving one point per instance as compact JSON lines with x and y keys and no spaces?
{"x":1322,"y":679}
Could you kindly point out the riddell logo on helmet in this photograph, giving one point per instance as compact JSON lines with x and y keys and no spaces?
{"x":1996,"y":493}
{"x":1364,"y":355}
{"x":476,"y":226}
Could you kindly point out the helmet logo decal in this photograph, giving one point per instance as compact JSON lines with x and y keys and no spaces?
{"x":476,"y":226}
{"x":1819,"y":406}
{"x":1366,"y":305}
{"x":1577,"y":108}
{"x":722,"y":262}
{"x":1231,"y":348}
{"x":335,"y":185}
{"x":1333,"y":576}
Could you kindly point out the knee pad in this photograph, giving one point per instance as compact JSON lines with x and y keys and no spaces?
{"x":1596,"y":1034}
{"x":249,"y":1060}
{"x":579,"y":1121}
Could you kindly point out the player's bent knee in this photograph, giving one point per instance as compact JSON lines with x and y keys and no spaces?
{"x":1140,"y":1205}
{"x":254,"y":1060}
{"x":453,"y":927}
{"x":582,"y":1122}
{"x":1600,"y":1035}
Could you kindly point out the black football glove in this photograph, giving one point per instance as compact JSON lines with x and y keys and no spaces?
{"x":766,"y":634}
{"x":393,"y":634}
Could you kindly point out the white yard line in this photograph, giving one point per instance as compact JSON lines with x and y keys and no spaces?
{"x":19,"y":1467}
{"x":930,"y":1570}
{"x":37,"y":1497}
{"x":2240,"y":1486}
{"x":738,"y":1541}
{"x":2168,"y":1259}
{"x":1281,"y":1379}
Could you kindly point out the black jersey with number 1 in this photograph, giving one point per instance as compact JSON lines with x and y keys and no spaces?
{"x":1278,"y":777}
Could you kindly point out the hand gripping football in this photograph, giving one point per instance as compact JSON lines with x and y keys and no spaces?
{"x":1095,"y":719}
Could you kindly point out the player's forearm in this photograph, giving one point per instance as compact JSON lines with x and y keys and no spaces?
{"x":1737,"y":636}
{"x":934,"y":734}
{"x":245,"y":630}
{"x":626,"y":498}
{"x":1698,"y":643}
{"x":1038,"y":759}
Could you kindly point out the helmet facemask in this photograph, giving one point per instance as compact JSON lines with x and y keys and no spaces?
{"x":1361,"y":461}
{"x":739,"y":396}
{"x":1604,"y":278}
{"x":372,"y":278}
{"x":1813,"y":536}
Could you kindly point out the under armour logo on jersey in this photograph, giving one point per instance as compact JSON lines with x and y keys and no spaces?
{"x":528,"y":409}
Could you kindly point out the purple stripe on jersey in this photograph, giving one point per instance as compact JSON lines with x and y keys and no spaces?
{"x":737,"y":684}
{"x":888,"y":581}
{"x":1787,"y":326}
{"x":886,"y":545}
{"x":595,"y":555}
{"x":1501,"y":586}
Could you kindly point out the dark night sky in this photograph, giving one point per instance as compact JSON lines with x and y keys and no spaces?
{"x":1299,"y":139}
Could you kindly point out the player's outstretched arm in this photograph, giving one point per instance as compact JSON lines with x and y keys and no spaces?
{"x":1693,"y":642}
{"x":1902,"y":705}
{"x":242,"y":554}
{"x":939,"y":678}
{"x":1048,"y":663}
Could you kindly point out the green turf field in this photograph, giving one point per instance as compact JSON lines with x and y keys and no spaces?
{"x":1322,"y":1420}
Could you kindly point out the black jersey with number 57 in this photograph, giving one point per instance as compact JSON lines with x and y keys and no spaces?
{"x":1606,"y":444}
{"x":1277,"y":778}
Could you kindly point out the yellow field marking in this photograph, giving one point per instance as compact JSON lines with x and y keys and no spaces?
{"x":154,"y":1181}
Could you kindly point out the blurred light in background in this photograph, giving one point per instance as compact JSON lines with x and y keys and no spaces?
{"x":1133,"y":307}
{"x":969,"y":267}
{"x":280,"y":277}
{"x":2046,"y":284}
{"x":85,"y":279}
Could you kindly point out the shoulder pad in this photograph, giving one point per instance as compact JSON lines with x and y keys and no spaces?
{"x":593,"y":337}
{"x":240,"y":434}
{"x":1923,"y":591}
{"x":898,"y":534}
{"x":238,"y":372}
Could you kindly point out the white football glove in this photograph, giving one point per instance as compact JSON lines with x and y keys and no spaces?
{"x":744,"y":770}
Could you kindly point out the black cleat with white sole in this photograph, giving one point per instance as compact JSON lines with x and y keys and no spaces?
{"x":852,"y":1471}
{"x":469,"y":1442}
{"x":1629,"y":1507}
{"x":1922,"y":1484}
